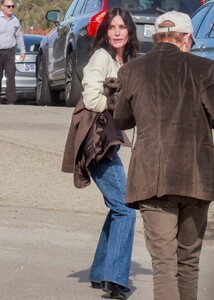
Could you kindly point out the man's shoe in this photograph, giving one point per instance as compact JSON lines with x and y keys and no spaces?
{"x":9,"y":102}
{"x":116,"y":291}
{"x":3,"y":101}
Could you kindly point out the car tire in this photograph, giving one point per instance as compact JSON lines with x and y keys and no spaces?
{"x":44,"y":95}
{"x":73,"y":86}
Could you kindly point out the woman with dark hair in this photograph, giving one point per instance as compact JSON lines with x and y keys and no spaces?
{"x":130,"y":48}
{"x":115,"y":44}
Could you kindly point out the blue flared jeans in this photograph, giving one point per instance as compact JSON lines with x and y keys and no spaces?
{"x":113,"y":254}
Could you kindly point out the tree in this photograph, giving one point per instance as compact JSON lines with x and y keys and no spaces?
{"x":31,"y":13}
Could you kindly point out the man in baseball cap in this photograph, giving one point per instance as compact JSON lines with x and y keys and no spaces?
{"x":181,"y":22}
{"x":174,"y":22}
{"x":168,"y":95}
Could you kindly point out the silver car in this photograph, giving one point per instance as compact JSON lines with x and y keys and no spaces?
{"x":25,"y":70}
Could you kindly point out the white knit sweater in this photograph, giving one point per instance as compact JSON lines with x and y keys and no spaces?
{"x":100,"y":66}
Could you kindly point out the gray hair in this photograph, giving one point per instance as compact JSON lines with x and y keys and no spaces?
{"x":3,"y":2}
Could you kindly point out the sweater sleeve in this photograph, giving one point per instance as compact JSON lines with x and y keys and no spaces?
{"x":19,"y":38}
{"x":96,"y":71}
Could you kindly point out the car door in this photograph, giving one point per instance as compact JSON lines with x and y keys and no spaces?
{"x":60,"y":42}
{"x":203,"y":23}
{"x":82,"y":45}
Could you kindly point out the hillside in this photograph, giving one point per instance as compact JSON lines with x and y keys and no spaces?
{"x":31,"y":14}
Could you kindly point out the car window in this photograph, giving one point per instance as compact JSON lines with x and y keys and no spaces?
{"x":206,"y":28}
{"x":31,"y":45}
{"x":198,"y":18}
{"x":131,"y":5}
{"x":78,"y":8}
{"x":137,"y":5}
{"x":212,"y":32}
{"x":70,"y":10}
{"x":189,"y":6}
{"x":149,"y":6}
{"x":89,"y":6}
{"x":114,"y":3}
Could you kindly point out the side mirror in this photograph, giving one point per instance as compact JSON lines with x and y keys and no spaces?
{"x":53,"y":16}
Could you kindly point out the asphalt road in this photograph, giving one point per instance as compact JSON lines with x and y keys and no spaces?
{"x":49,"y":229}
{"x":32,"y":140}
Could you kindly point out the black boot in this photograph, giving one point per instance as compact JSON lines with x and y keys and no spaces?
{"x":116,"y":291}
{"x":96,"y":285}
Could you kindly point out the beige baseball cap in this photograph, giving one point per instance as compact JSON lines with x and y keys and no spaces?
{"x":182,"y":22}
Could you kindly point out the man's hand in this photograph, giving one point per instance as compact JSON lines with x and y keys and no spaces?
{"x":22,"y":56}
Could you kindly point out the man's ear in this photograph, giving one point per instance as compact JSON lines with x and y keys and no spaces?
{"x":185,"y":44}
{"x":187,"y":38}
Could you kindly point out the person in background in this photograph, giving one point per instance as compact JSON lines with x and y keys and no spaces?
{"x":168,"y":95}
{"x":10,"y":35}
{"x":115,"y":44}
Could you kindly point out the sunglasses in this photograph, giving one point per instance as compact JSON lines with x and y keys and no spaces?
{"x":192,"y":42}
{"x":9,"y":6}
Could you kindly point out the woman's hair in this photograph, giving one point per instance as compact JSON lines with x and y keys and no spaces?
{"x":101,"y":39}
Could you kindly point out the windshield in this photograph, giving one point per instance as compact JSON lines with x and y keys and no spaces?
{"x":151,"y":6}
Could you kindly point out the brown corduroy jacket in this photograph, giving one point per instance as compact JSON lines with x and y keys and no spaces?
{"x":169,"y":96}
{"x":91,"y":136}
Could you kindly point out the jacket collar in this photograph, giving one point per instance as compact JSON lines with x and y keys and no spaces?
{"x":163,"y":46}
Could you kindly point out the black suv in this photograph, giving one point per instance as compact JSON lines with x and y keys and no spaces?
{"x":65,"y":50}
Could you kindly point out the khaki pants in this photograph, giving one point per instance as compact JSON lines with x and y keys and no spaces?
{"x":174,"y":228}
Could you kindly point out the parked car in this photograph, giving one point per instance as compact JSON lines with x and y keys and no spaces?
{"x":26,"y":70}
{"x":65,"y":50}
{"x":203,"y":24}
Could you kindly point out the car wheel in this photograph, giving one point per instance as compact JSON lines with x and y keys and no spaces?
{"x":44,"y":95}
{"x":73,"y":86}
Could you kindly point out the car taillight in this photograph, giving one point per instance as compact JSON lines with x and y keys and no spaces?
{"x":94,"y":23}
{"x":202,"y":2}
